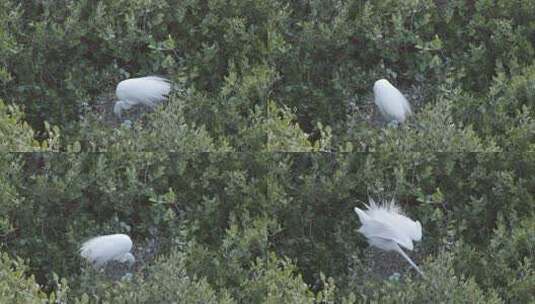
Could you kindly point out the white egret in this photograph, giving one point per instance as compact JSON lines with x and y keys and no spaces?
{"x":148,"y":91}
{"x":103,"y":249}
{"x":386,"y":228}
{"x":392,"y":104}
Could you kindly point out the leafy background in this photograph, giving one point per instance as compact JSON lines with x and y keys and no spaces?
{"x":221,"y":206}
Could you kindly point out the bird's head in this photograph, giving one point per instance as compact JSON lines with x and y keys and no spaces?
{"x":119,"y":107}
{"x":381,"y":83}
{"x":127,"y":258}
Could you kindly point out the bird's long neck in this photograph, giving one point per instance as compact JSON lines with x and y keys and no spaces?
{"x":120,"y":106}
{"x":410,"y":261}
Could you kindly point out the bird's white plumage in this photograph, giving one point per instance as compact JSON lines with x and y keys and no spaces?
{"x":387,"y":228}
{"x":102,"y":249}
{"x":391,"y":103}
{"x":148,"y":91}
{"x":390,"y":214}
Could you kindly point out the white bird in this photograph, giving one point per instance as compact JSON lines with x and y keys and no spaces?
{"x":392,"y":104}
{"x":387,"y":228}
{"x":103,"y":249}
{"x":148,"y":91}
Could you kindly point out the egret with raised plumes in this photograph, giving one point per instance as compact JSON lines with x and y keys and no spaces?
{"x":387,"y":228}
{"x":391,"y":103}
{"x":148,"y":91}
{"x":103,"y":249}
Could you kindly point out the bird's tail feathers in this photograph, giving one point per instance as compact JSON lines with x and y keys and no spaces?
{"x":371,"y":204}
{"x":390,"y":207}
{"x":159,"y":78}
{"x":361,"y":214}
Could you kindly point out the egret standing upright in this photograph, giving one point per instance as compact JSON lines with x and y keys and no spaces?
{"x":148,"y":91}
{"x":386,"y":228}
{"x":392,"y":104}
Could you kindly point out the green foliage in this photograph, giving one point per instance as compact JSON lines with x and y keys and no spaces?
{"x":164,"y":131}
{"x":17,"y":136}
{"x":168,"y":130}
{"x":434,"y":130}
{"x":506,"y":114}
{"x":167,"y":281}
{"x":284,"y":134}
{"x":494,"y":34}
{"x":17,"y":286}
{"x":316,"y":58}
{"x":507,"y":264}
{"x":9,"y":198}
{"x":239,"y":207}
{"x":274,"y":281}
{"x":441,"y":286}
{"x":270,"y":280}
{"x":215,"y":179}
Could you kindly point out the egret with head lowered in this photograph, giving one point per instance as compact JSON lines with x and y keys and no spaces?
{"x":387,"y":228}
{"x":148,"y":91}
{"x":103,"y":249}
{"x":391,"y":103}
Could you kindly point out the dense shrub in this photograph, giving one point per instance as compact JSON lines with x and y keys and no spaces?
{"x":213,"y":185}
{"x":317,"y":57}
{"x":506,"y":114}
{"x":507,"y":264}
{"x":494,"y":35}
{"x":17,"y":136}
{"x":270,"y":280}
{"x":18,"y":286}
{"x":434,"y":130}
{"x":442,"y":286}
{"x":237,"y":207}
{"x":9,"y":198}
{"x":166,"y":282}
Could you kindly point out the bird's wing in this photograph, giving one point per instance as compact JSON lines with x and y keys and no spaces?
{"x":390,"y":102}
{"x":374,"y":228}
{"x":94,"y":250}
{"x":363,"y":217}
{"x":380,"y":104}
{"x":391,"y":213}
{"x":156,"y":78}
{"x":407,"y":226}
{"x":406,"y":105}
{"x":102,"y":249}
{"x":146,"y":90}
